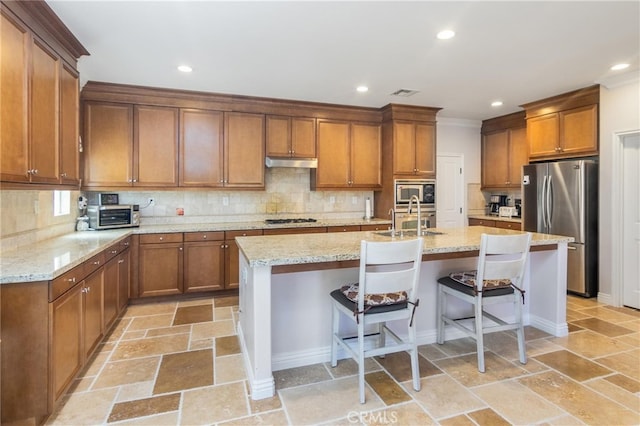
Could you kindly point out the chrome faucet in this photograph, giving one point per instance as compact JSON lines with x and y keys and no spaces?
{"x":418,"y":224}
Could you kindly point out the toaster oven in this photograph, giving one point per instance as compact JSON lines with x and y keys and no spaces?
{"x":113,"y":216}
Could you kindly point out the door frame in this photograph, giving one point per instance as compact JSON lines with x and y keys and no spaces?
{"x":617,"y":216}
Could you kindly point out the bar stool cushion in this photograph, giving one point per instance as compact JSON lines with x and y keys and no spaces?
{"x":339,"y":296}
{"x":376,"y":299}
{"x":470,"y":289}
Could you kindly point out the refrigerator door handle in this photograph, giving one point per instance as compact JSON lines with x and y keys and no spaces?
{"x":549,"y":203}
{"x":544,"y":203}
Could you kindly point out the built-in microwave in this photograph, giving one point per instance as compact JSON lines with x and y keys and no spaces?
{"x":113,"y":216}
{"x":424,"y":189}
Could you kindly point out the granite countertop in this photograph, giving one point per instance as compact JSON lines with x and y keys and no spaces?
{"x":51,"y":258}
{"x":491,"y":217}
{"x":318,"y":248}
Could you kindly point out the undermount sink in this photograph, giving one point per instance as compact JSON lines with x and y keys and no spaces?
{"x":407,"y":233}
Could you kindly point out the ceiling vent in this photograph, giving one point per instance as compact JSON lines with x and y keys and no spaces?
{"x":405,"y":93}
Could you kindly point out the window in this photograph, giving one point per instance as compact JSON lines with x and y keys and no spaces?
{"x":61,"y":203}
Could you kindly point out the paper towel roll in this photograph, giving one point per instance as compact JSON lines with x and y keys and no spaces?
{"x":367,"y":208}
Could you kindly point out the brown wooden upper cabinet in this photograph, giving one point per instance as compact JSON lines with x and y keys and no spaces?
{"x":349,"y":155}
{"x":291,"y":137}
{"x":414,"y":146}
{"x":39,"y":102}
{"x":127,"y":145}
{"x":504,"y":151}
{"x":564,"y":126}
{"x":564,"y":134}
{"x":201,"y":148}
{"x":244,"y":150}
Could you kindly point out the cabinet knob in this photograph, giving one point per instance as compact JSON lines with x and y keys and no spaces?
{"x":64,"y":175}
{"x":180,"y":248}
{"x":135,"y":180}
{"x":161,"y":238}
{"x":35,"y":172}
{"x":126,"y":244}
{"x":114,"y":251}
{"x":204,"y":236}
{"x":97,"y":262}
{"x":121,"y":261}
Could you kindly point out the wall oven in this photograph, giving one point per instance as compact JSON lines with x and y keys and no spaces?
{"x":113,"y":216}
{"x":424,"y":189}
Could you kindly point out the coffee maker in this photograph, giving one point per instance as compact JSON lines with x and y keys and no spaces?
{"x":496,"y":202}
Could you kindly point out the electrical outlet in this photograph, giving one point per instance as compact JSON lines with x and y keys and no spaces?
{"x":354,"y":200}
{"x":225,"y":201}
{"x":332,"y":199}
{"x":151,"y":201}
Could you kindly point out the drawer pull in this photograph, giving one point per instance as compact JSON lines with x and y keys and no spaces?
{"x":114,"y":251}
{"x":71,"y":280}
{"x":126,"y":244}
{"x":204,"y":237}
{"x":121,"y":261}
{"x":161,"y":238}
{"x":97,"y":262}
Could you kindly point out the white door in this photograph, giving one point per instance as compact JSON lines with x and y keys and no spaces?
{"x":450,"y":191}
{"x":631,"y":220}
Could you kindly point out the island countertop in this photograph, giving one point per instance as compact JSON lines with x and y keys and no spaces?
{"x":318,"y":248}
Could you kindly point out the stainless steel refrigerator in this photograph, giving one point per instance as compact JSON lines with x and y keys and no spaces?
{"x":561,"y":198}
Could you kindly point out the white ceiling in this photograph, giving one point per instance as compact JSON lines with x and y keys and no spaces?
{"x":518,"y":51}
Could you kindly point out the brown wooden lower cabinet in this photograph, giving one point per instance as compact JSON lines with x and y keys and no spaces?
{"x":481,"y":222}
{"x":374,"y":227}
{"x":51,"y":328}
{"x":204,"y":254}
{"x":160,"y":264}
{"x":67,"y":352}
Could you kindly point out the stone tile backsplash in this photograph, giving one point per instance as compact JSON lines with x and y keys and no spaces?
{"x":27,"y":215}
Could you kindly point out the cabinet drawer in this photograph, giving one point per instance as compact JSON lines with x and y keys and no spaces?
{"x":174,"y":237}
{"x":64,"y":282}
{"x":94,"y":263}
{"x":482,"y":222}
{"x":231,"y":235}
{"x":204,"y":236}
{"x":347,"y":228}
{"x":374,"y":227}
{"x":284,"y":231}
{"x":508,"y":225}
{"x":116,"y":249}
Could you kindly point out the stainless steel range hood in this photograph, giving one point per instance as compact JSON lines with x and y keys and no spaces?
{"x":304,"y":163}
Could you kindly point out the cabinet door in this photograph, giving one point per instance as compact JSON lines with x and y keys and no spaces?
{"x":43,"y":132}
{"x":160,"y":269}
{"x":232,"y":256}
{"x":495,"y":164}
{"x":333,"y":155}
{"x":204,"y":266}
{"x":579,"y":130}
{"x":69,"y":126}
{"x":244,"y":150}
{"x":201,"y":148}
{"x":404,"y":136}
{"x":93,"y":310}
{"x":425,"y":149}
{"x":14,"y":153}
{"x":155,"y":149}
{"x":518,"y":155}
{"x":110,"y":292}
{"x":278,"y":136}
{"x":543,"y":135}
{"x":303,"y":137}
{"x":124,"y":279}
{"x":366,"y":151}
{"x":108,"y":144}
{"x":66,"y":339}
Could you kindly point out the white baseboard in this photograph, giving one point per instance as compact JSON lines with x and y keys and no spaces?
{"x":260,"y":389}
{"x":558,"y":330}
{"x":605,"y":298}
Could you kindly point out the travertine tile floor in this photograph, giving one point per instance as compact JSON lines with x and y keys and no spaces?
{"x":180,"y":363}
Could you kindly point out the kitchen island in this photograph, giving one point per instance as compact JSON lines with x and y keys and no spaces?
{"x":285,"y":281}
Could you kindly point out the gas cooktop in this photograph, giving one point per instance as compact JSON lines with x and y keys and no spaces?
{"x":279,"y":221}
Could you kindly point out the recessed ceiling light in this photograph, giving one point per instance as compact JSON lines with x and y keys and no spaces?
{"x":446,"y":34}
{"x":185,"y":68}
{"x":618,"y":67}
{"x":496,"y":103}
{"x":362,"y":89}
